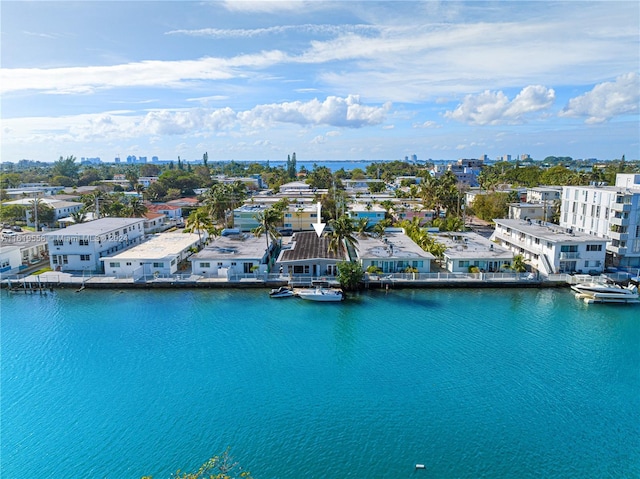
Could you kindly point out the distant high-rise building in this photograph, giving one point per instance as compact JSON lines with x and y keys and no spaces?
{"x":414,"y":158}
{"x":154,"y":159}
{"x":116,"y":159}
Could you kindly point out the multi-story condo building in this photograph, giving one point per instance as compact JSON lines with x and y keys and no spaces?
{"x":244,"y":217}
{"x":80,"y":247}
{"x":300,"y":216}
{"x":373,"y":213}
{"x":549,"y":248}
{"x":608,"y":212}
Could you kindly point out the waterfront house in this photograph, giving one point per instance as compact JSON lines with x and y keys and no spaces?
{"x":32,"y":246}
{"x":162,"y":254}
{"x":10,"y":259}
{"x":465,"y":250}
{"x":550,"y":248}
{"x":80,"y":247}
{"x":233,"y":254}
{"x":395,"y":252}
{"x":308,"y":255}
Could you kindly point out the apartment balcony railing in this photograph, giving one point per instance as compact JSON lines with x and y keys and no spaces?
{"x":564,"y":256}
{"x":615,"y":235}
{"x":619,"y":221}
{"x":619,"y":250}
{"x":621,"y":207}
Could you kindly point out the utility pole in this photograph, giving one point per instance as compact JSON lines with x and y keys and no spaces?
{"x":35,"y":210}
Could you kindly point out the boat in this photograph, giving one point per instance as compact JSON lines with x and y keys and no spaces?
{"x":321,"y":294}
{"x":606,"y":293}
{"x":281,"y":292}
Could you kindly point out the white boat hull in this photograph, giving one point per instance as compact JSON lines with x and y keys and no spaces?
{"x":321,"y":294}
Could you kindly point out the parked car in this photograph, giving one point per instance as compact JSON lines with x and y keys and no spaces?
{"x":16,"y":228}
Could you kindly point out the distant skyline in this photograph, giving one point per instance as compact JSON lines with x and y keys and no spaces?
{"x":327,"y":80}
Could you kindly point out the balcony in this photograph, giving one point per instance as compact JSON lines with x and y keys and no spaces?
{"x":615,"y":235}
{"x":619,"y":221}
{"x":621,"y":207}
{"x":564,"y":256}
{"x":619,"y":250}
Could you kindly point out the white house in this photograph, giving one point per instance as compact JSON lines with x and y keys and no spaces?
{"x":160,"y":255}
{"x":235,"y":254}
{"x":550,"y":248}
{"x":61,"y":208}
{"x":80,"y":247}
{"x":465,"y":250}
{"x":394,"y":253}
{"x":10,"y":259}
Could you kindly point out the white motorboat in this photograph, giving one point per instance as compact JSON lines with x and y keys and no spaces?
{"x":606,"y":293}
{"x":281,"y":292}
{"x":321,"y":294}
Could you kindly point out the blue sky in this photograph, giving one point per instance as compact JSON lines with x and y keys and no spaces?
{"x":328,"y":80}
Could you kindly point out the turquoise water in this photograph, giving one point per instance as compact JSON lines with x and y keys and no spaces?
{"x":490,"y":383}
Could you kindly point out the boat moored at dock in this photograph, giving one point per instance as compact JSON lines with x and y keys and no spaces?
{"x":606,"y":293}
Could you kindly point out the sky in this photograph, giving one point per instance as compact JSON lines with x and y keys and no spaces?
{"x":345,"y":80}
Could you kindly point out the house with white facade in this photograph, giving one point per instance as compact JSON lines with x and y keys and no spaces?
{"x":608,"y":212}
{"x":531,"y":211}
{"x":550,"y":248}
{"x":61,"y":208}
{"x":234,"y":254}
{"x":395,"y":252}
{"x":160,"y":255}
{"x":465,"y":250}
{"x":80,"y":247}
{"x":32,"y":246}
{"x":10,"y":259}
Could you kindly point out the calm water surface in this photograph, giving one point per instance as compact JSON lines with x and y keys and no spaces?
{"x":491,"y":383}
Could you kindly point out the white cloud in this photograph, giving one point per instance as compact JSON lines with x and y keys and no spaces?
{"x":309,"y":28}
{"x":606,"y":100}
{"x":427,"y":124}
{"x":494,"y":108}
{"x":333,"y":111}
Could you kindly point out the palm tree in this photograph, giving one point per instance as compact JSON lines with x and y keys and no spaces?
{"x":518,"y":264}
{"x":267,"y":221}
{"x":342,"y":235}
{"x":78,"y":216}
{"x":363,"y":228}
{"x":198,"y":221}
{"x":136,"y":208}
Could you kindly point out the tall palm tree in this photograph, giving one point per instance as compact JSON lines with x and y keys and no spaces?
{"x":362,"y":227}
{"x":198,"y":221}
{"x":342,"y":235}
{"x":136,"y":208}
{"x":267,"y":221}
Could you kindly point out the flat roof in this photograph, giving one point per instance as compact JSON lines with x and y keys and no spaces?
{"x":53,"y":202}
{"x":549,"y":231}
{"x":162,"y":245}
{"x":95,"y":227}
{"x":233,"y":246}
{"x":471,"y":245}
{"x":393,"y":245}
{"x":22,"y":239}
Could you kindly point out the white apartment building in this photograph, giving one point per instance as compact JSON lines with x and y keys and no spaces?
{"x":80,"y":247}
{"x":551,"y":249}
{"x":608,"y":212}
{"x":161,"y":255}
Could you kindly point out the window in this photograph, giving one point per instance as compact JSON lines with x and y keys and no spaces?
{"x":158,"y":265}
{"x":58,"y":242}
{"x":85,"y":257}
{"x":594,"y":247}
{"x":205,"y":265}
{"x":83,"y":242}
{"x":569,"y":248}
{"x":463,"y":264}
{"x":65,"y":260}
{"x":114,"y":264}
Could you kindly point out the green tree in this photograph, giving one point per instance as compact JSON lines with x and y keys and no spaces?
{"x":41,"y":211}
{"x":350,"y":275}
{"x":12,"y":213}
{"x":518,"y":264}
{"x":320,"y":177}
{"x":10,"y":180}
{"x":78,"y":216}
{"x":267,"y":221}
{"x":198,"y":221}
{"x":377,"y":187}
{"x":136,"y":208}
{"x":342,"y":237}
{"x":66,"y":167}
